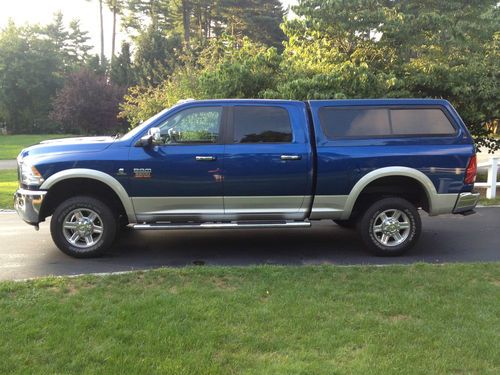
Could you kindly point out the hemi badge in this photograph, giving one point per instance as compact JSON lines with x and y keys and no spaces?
{"x":121,"y":172}
{"x":142,"y":172}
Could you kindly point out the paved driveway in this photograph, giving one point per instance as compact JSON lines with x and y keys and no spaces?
{"x":8,"y":164}
{"x":25,"y":253}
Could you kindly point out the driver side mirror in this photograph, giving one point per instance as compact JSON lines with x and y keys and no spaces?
{"x":153,"y":137}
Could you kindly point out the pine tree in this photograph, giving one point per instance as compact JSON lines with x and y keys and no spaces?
{"x":77,"y":46}
{"x":122,"y":72}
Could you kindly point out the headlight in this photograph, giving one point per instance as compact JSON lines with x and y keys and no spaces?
{"x":29,"y":175}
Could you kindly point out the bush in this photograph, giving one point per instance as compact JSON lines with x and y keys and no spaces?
{"x":88,"y":104}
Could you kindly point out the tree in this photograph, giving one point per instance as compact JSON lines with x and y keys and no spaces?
{"x":116,"y":7}
{"x":101,"y":24}
{"x":122,"y":72}
{"x":88,"y":104}
{"x":139,"y":15}
{"x":95,"y":65}
{"x":30,"y":72}
{"x":156,"y":56}
{"x":257,"y":19}
{"x":57,"y":33}
{"x":234,"y":68}
{"x":405,"y":49}
{"x":227,"y":68}
{"x":333,"y":49}
{"x":77,"y":47}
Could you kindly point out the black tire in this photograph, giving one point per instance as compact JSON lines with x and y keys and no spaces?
{"x":348,"y":224}
{"x":372,"y":226}
{"x":105,"y":222}
{"x":123,"y":225}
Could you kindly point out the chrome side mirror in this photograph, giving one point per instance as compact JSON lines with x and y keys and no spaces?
{"x":153,"y":137}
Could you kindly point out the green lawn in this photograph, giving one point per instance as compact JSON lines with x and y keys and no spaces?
{"x":11,"y":145}
{"x":8,"y":185}
{"x":419,"y":319}
{"x":489,"y":202}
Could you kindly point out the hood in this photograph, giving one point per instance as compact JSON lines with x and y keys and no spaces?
{"x":68,"y":145}
{"x":78,"y":140}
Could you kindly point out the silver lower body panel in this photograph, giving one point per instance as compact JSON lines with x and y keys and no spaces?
{"x":231,"y":208}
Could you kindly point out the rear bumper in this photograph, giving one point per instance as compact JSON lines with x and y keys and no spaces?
{"x":466,"y":202}
{"x":27,"y":204}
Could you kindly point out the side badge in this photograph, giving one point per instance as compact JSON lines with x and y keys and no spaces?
{"x":142,"y":172}
{"x":121,"y":172}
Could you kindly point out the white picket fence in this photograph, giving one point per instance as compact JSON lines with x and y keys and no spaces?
{"x":492,"y":182}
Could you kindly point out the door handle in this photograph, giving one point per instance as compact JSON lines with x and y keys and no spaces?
{"x":291,"y":157}
{"x":205,"y":158}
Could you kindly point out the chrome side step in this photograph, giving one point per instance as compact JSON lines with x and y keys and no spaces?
{"x":233,"y":225}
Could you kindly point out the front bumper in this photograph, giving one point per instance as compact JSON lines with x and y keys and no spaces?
{"x":466,"y":202}
{"x":27,"y":204}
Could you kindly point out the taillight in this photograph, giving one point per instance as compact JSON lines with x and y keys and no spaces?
{"x":471,"y":172}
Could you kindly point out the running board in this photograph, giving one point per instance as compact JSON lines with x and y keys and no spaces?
{"x":235,"y":225}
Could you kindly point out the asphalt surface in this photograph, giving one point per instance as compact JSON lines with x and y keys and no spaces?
{"x":25,"y":253}
{"x":8,"y":164}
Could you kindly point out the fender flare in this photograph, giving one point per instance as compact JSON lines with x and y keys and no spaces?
{"x":428,"y":186}
{"x":93,"y":174}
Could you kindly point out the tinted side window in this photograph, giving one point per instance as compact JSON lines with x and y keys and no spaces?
{"x":377,"y":122}
{"x":340,"y":122}
{"x":259,"y":124}
{"x":193,"y":125}
{"x":420,"y":121}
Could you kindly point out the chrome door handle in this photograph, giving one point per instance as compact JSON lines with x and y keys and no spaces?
{"x":291,"y":157}
{"x":206,"y":158}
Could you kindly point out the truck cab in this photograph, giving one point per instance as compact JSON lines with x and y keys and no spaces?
{"x":369,"y":164}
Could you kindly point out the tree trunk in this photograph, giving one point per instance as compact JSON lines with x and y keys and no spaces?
{"x":113,"y":38}
{"x":102,"y":32}
{"x":186,"y":18}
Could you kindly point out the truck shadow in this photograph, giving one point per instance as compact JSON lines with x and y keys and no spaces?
{"x":324,"y":243}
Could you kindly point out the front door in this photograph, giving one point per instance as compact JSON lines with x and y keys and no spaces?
{"x":181,"y":178}
{"x":267,"y":162}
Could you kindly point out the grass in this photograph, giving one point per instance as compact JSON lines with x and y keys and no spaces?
{"x":11,"y":145}
{"x":482,"y":176}
{"x":425,"y":319}
{"x":8,"y":186}
{"x":489,"y":202}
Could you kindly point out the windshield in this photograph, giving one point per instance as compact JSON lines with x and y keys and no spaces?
{"x":131,"y":134}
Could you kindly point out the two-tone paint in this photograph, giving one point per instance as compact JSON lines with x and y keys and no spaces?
{"x":310,"y":177}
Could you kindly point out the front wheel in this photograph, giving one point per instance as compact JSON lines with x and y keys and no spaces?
{"x":83,"y":227}
{"x":390,"y":226}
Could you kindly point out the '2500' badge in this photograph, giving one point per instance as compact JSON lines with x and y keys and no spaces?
{"x":142,"y":172}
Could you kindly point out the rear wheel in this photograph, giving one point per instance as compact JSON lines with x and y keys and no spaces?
{"x":83,"y":227}
{"x":390,"y":226}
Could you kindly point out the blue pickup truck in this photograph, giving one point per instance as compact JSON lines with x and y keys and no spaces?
{"x":213,"y":164}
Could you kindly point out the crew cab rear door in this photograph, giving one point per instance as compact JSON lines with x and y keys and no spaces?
{"x":267,"y":161}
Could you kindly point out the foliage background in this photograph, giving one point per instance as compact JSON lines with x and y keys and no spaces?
{"x":251,"y":49}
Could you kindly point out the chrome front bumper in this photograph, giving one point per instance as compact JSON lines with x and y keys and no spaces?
{"x":27,"y":204}
{"x":466,"y":202}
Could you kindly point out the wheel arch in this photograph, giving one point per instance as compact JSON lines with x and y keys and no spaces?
{"x":379,"y":174}
{"x":90,"y":175}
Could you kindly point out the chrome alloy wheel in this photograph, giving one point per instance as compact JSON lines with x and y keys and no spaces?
{"x":83,"y":228}
{"x":391,"y":227}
